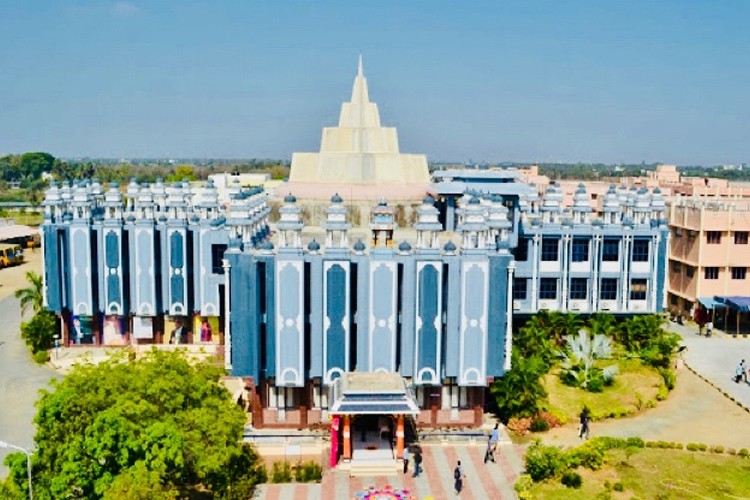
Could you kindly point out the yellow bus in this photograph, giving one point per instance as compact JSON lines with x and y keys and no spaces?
{"x":10,"y":255}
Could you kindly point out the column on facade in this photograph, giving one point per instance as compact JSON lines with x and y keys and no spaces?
{"x":400,"y":436}
{"x":565,"y":271}
{"x":509,"y":318}
{"x":535,"y":241}
{"x":596,"y":259}
{"x":347,"y":452}
{"x":227,"y":320}
{"x":625,"y":259}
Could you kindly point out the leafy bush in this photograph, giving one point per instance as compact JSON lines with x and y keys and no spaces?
{"x":731,"y":451}
{"x":308,"y":472}
{"x":717,"y":449}
{"x":520,"y":392}
{"x":589,"y":455}
{"x":281,"y":472}
{"x":39,"y":331}
{"x":519,"y":426}
{"x":41,"y":357}
{"x":523,"y":485}
{"x":634,"y":442}
{"x":543,"y":462}
{"x":572,"y":479}
{"x":696,"y":447}
{"x":743,"y":453}
{"x":539,"y":425}
{"x":618,"y":486}
{"x":662,"y":393}
{"x":669,"y":376}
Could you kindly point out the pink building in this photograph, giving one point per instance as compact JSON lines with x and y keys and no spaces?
{"x":709,"y":252}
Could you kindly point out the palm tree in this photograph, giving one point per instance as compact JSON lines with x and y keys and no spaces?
{"x":31,"y":296}
{"x":602,"y":324}
{"x":583,"y":350}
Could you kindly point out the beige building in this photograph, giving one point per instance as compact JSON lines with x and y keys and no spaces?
{"x":709,"y":252}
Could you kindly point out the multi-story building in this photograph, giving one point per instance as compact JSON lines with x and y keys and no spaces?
{"x":300,"y":318}
{"x":708,"y":255}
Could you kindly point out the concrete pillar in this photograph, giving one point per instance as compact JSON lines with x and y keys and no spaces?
{"x":347,"y":455}
{"x":400,"y":437}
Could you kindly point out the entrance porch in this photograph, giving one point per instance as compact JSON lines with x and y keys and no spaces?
{"x":369,"y":412}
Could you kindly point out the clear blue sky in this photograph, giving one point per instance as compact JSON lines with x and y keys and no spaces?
{"x":610,"y":81}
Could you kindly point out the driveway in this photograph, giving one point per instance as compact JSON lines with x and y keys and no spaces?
{"x":20,"y":381}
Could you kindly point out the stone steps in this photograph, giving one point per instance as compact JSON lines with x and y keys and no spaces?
{"x":372,"y":468}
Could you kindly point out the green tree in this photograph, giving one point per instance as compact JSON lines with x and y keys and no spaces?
{"x":182,"y":172}
{"x":39,"y":331}
{"x":520,"y":393}
{"x":157,"y":423}
{"x":582,"y":351}
{"x":31,"y":296}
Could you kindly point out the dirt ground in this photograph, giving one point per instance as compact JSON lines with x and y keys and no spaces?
{"x":14,"y":277}
{"x":695,"y":412}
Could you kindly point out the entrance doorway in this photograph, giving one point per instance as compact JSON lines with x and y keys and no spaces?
{"x":372,"y":438}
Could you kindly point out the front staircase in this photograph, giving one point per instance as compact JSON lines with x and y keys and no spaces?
{"x":374,"y":468}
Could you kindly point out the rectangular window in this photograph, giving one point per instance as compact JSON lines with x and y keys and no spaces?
{"x":579,"y":288}
{"x":739,"y":273}
{"x":711,"y":273}
{"x":548,"y":288}
{"x":740,"y":237}
{"x":580,"y":250}
{"x":522,"y":251}
{"x":713,"y":237}
{"x":638,"y":288}
{"x":640,"y":250}
{"x":611,"y":250}
{"x":520,"y":288}
{"x":217,"y":254}
{"x":689,"y":271}
{"x":609,"y":289}
{"x":676,"y":267}
{"x":550,"y":249}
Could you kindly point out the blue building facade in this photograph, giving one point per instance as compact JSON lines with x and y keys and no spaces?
{"x":294,"y":309}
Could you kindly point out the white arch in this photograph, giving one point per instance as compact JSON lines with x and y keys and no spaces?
{"x":468,"y":379}
{"x":382,"y":370}
{"x":283,"y":376}
{"x":421,"y":376}
{"x":330,"y":373}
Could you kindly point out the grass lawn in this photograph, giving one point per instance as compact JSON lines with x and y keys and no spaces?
{"x":634,"y":386}
{"x":657,"y":473}
{"x":25,"y":218}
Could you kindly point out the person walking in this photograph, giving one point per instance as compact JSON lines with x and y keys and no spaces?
{"x":417,"y":462}
{"x":585,"y":419}
{"x":489,"y":453}
{"x":739,"y":372}
{"x":458,"y":477}
{"x":743,"y":366}
{"x":494,"y":438}
{"x":406,"y":460}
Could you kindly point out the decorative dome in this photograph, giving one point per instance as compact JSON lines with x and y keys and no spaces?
{"x":449,"y":247}
{"x":162,"y":218}
{"x":314,"y":246}
{"x":474,"y":200}
{"x":428,"y":200}
{"x":359,"y":246}
{"x":336,"y":198}
{"x":404,"y":247}
{"x":266,"y":245}
{"x":290,"y":198}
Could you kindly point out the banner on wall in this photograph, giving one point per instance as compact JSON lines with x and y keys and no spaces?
{"x":206,"y":329}
{"x":113,"y":331}
{"x":143,"y":328}
{"x":80,"y":331}
{"x":176,"y":330}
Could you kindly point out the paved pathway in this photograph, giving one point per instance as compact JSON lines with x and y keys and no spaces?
{"x":715,"y":358}
{"x":20,"y":381}
{"x":492,"y":481}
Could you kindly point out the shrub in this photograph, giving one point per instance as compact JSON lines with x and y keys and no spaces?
{"x":662,"y":393}
{"x":308,"y":472}
{"x":281,"y":472}
{"x":519,"y":425}
{"x":731,"y":451}
{"x":539,"y":425}
{"x":552,"y":419}
{"x":618,"y":486}
{"x":670,"y":379}
{"x":743,"y":453}
{"x":523,"y":485}
{"x":572,"y":479}
{"x":702,"y":447}
{"x":635,"y":442}
{"x":41,"y":357}
{"x":692,"y":447}
{"x":596,"y":384}
{"x":589,"y":455}
{"x":543,"y":462}
{"x":717,"y":449}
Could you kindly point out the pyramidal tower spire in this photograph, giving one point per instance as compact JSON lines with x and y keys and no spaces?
{"x":359,"y":66}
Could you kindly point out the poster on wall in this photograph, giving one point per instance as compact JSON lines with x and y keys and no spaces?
{"x":143,"y":328}
{"x":176,"y":330}
{"x":113,"y":331}
{"x":80,"y":331}
{"x":207,"y":329}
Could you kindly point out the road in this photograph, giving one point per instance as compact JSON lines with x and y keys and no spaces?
{"x":20,"y":381}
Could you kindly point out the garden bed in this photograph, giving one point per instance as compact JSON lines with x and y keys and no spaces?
{"x":635,"y":388}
